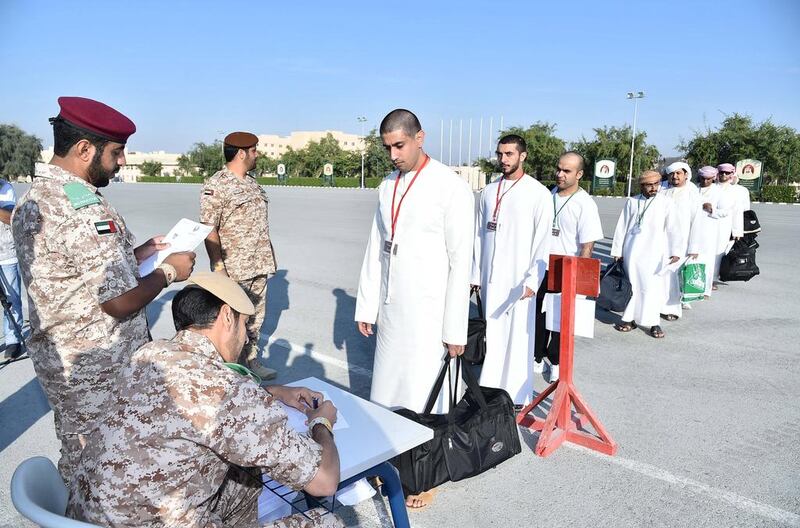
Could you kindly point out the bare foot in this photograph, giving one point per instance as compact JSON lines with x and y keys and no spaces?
{"x":421,"y":501}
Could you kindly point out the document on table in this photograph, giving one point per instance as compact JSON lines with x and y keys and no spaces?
{"x":185,"y":236}
{"x":297,"y":420}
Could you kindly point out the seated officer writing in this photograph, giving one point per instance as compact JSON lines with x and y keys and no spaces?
{"x":186,"y":437}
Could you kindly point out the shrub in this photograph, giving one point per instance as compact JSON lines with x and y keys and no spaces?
{"x":778,"y":193}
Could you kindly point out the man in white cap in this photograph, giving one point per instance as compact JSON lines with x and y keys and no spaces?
{"x":732,"y":225}
{"x":706,"y":229}
{"x":686,"y":199}
{"x":646,"y":239}
{"x":742,"y":193}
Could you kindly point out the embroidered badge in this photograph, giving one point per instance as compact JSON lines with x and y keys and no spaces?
{"x":79,"y":195}
{"x":105,"y":227}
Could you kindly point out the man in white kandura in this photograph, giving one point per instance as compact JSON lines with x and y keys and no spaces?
{"x":646,"y":239}
{"x":686,"y":198}
{"x":576,"y":227}
{"x":512,"y":237}
{"x":740,"y":191}
{"x":415,"y":276}
{"x":732,"y":225}
{"x":707,"y":224}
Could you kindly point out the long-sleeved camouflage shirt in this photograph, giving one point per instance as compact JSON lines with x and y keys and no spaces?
{"x":238,"y":208}
{"x":178,"y":421}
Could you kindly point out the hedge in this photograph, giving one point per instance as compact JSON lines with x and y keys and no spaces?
{"x":371,"y":183}
{"x":778,"y":193}
{"x":169,"y":179}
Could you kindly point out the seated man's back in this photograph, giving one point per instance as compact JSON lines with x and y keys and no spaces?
{"x":181,"y":430}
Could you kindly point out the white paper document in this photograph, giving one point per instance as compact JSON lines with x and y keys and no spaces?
{"x":584,"y":314}
{"x":675,"y":266}
{"x":185,"y":236}
{"x":297,"y":420}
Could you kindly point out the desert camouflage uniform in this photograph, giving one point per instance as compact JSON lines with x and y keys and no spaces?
{"x":238,"y":208}
{"x":74,"y":254}
{"x":180,"y":431}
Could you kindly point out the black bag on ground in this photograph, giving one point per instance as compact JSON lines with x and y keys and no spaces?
{"x":475,"y":350}
{"x":615,"y":288}
{"x":477,"y":434}
{"x":739,"y":264}
{"x":751,"y":223}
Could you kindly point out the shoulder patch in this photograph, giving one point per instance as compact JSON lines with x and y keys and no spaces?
{"x":79,"y":195}
{"x":105,"y":227}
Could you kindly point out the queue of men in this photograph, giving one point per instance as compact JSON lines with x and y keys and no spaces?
{"x":170,"y":432}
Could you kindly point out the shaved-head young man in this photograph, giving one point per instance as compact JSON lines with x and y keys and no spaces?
{"x":415,"y":276}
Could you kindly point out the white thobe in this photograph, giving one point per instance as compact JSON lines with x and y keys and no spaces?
{"x":687,"y":206}
{"x":729,"y":225}
{"x":742,"y":196}
{"x":506,"y":261}
{"x":706,"y":232}
{"x":641,"y":238}
{"x":418,"y":293}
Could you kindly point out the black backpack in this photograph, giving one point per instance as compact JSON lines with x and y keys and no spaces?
{"x":739,"y":264}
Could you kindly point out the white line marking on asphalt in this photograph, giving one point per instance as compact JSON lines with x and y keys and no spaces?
{"x":297,"y":351}
{"x":737,"y":501}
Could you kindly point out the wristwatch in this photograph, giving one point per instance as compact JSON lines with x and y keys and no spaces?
{"x":169,"y":272}
{"x":320,"y":420}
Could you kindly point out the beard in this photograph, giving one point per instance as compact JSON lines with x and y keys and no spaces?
{"x":510,"y":170}
{"x":99,"y":176}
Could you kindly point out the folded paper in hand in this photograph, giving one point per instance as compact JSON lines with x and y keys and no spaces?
{"x":185,"y":236}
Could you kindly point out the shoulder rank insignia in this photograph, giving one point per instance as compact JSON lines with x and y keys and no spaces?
{"x":104,"y":227}
{"x":79,"y":195}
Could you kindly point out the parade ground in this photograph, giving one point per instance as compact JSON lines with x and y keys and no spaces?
{"x":707,"y":419}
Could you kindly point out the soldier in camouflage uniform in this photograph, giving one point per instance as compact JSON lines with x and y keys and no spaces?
{"x":79,"y":265}
{"x":186,"y":437}
{"x":239,"y":246}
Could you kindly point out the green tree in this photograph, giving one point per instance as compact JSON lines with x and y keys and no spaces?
{"x":204,"y":159}
{"x":738,"y":137}
{"x":19,"y":152}
{"x":310,"y":161}
{"x":265,"y":165}
{"x":544,"y":148}
{"x":615,"y":143}
{"x":151,"y":168}
{"x":377,"y":163}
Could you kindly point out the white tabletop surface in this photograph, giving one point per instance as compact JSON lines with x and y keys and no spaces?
{"x":374,"y":435}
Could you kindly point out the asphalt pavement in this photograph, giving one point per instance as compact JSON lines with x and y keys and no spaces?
{"x":707,"y":419}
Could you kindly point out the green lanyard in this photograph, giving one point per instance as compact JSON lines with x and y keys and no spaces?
{"x":244,"y":371}
{"x":638,"y":206}
{"x":556,"y":213}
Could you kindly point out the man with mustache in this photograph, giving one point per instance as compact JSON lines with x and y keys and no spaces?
{"x":415,"y":275}
{"x":512,"y":238}
{"x":80,"y":267}
{"x":239,"y":245}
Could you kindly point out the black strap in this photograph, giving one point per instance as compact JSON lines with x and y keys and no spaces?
{"x":479,"y":303}
{"x":437,"y":386}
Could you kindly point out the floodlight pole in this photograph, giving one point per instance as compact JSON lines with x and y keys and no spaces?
{"x":362,"y":120}
{"x":635,"y":96}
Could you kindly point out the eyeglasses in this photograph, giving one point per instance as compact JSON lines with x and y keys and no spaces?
{"x":726,"y":172}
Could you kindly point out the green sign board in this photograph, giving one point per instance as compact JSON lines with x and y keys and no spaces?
{"x":748,"y":171}
{"x":605,"y":171}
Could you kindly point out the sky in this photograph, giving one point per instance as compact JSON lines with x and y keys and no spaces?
{"x":189,"y":71}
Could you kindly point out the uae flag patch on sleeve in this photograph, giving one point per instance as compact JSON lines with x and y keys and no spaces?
{"x":105,"y":227}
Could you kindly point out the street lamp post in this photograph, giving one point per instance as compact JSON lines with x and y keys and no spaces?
{"x":635,"y":96}
{"x":362,"y":120}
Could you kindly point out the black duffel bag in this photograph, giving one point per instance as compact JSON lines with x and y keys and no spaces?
{"x":475,"y":349}
{"x":476,"y":435}
{"x":615,"y":288}
{"x":739,"y":264}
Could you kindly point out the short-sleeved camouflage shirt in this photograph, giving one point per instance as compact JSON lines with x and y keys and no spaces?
{"x":238,"y":208}
{"x":75,"y":253}
{"x":179,"y":418}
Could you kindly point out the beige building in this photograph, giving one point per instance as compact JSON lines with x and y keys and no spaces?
{"x":133,"y":159}
{"x":275,"y":146}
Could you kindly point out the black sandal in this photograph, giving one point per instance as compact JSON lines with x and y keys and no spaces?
{"x":657,"y":332}
{"x":624,"y":326}
{"x":669,"y":317}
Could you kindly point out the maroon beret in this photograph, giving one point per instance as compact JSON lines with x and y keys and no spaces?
{"x":242,"y":140}
{"x":96,"y":117}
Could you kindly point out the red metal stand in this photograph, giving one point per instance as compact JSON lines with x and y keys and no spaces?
{"x":570,"y":276}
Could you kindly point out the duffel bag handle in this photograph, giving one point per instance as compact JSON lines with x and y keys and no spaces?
{"x":478,"y":301}
{"x":437,"y":386}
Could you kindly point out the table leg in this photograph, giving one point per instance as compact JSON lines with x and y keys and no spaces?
{"x":392,"y":488}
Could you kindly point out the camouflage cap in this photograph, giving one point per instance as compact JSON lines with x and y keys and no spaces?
{"x":225,"y":289}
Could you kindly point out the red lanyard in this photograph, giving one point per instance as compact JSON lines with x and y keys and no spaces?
{"x":396,"y":214}
{"x":499,"y":198}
